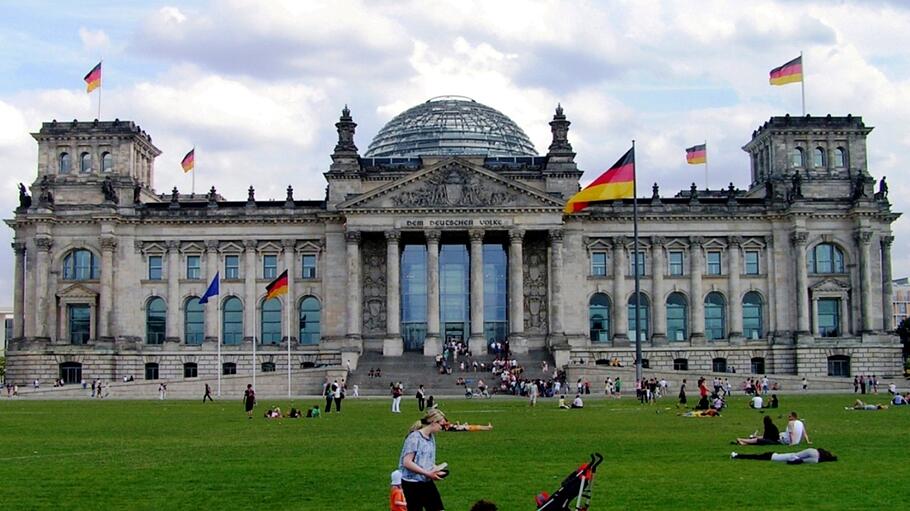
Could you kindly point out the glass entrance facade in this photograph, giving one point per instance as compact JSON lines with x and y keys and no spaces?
{"x":414,"y":296}
{"x":454,"y":292}
{"x":495,"y":292}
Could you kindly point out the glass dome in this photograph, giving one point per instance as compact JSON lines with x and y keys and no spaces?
{"x":450,"y":125}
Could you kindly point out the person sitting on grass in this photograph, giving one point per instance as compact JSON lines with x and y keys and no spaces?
{"x":771,"y":435}
{"x":273,"y":413}
{"x":577,"y":402}
{"x":756,"y":402}
{"x":795,"y":431}
{"x":774,"y":402}
{"x":790,"y":458}
{"x":859,"y":405}
{"x":562,"y":403}
{"x":484,"y":505}
{"x":458,"y":426}
{"x":314,"y":412}
{"x":294,"y":413}
{"x":898,"y":400}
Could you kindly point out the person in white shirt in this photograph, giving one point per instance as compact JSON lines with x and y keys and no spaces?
{"x":756,"y":402}
{"x":577,"y":402}
{"x":795,"y":433}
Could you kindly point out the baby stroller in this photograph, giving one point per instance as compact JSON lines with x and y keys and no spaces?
{"x":576,"y":487}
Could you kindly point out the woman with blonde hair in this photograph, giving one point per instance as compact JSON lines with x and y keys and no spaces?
{"x":418,"y":463}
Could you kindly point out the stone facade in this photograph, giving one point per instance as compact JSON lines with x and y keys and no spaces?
{"x":794,"y":271}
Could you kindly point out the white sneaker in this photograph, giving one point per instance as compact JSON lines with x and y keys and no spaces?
{"x":733,"y":455}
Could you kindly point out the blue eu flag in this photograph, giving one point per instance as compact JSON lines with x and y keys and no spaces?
{"x":212,"y":290}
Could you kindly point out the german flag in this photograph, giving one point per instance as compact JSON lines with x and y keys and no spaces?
{"x":277,"y":287}
{"x":616,"y":183}
{"x":93,"y":78}
{"x":791,"y":72}
{"x":189,"y":161}
{"x":696,"y":154}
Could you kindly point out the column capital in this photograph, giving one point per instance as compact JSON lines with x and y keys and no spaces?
{"x":556,"y":235}
{"x":18,"y":247}
{"x":108,"y":243}
{"x":212,"y":245}
{"x":863,"y":237}
{"x":352,"y":236}
{"x":44,"y":244}
{"x":250,"y":244}
{"x":289,"y":244}
{"x":619,"y":242}
{"x":696,"y":241}
{"x":887,"y":241}
{"x":799,"y":237}
{"x":476,"y":235}
{"x":735,"y":241}
{"x":658,"y":241}
{"x":393,"y":236}
{"x":432,"y":235}
{"x":172,"y":245}
{"x":516,"y":235}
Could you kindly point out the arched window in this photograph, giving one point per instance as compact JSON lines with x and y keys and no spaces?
{"x":757,"y":365}
{"x":599,"y":317}
{"x":107,"y":162}
{"x":268,"y":367}
{"x":194,"y":321}
{"x":643,"y":315}
{"x":151,"y":371}
{"x":232,"y":326}
{"x":798,"y":157}
{"x":190,"y":370}
{"x":309,"y":321}
{"x":752,"y":316}
{"x":819,"y":158}
{"x":155,"y":321}
{"x":719,"y":365}
{"x":839,"y":365}
{"x":715,"y":316}
{"x":71,"y":372}
{"x":85,"y":163}
{"x":677,"y":317}
{"x":270,"y":324}
{"x":840,"y":157}
{"x":80,"y":265}
{"x":229,"y":368}
{"x":826,"y":258}
{"x":66,"y":163}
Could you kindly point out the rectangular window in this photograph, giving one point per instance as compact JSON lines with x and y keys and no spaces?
{"x":190,"y":370}
{"x":599,"y":264}
{"x":269,"y":266}
{"x":641,"y":264}
{"x":193,"y":267}
{"x":901,"y":308}
{"x":155,"y":268}
{"x":8,"y":329}
{"x":232,"y":267}
{"x":829,"y":317}
{"x":752,"y":262}
{"x":80,"y":318}
{"x":714,"y":263}
{"x":676,"y":263}
{"x":308,"y":265}
{"x":151,"y":371}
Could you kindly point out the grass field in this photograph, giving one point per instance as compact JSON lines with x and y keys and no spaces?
{"x":186,"y":455}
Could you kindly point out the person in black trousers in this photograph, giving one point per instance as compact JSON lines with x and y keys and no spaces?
{"x":208,"y":393}
{"x":329,"y":396}
{"x":421,"y":398}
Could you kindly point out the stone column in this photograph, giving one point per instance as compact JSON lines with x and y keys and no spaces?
{"x":516,"y":288}
{"x":354,"y":306}
{"x":734,"y":256}
{"x":250,"y":271}
{"x":211,"y":308}
{"x":658,"y":298}
{"x":864,"y":240}
{"x":815,"y":330}
{"x":771,"y":273}
{"x":432,"y":345}
{"x":557,"y":331}
{"x":42,"y":302}
{"x":393,"y":345}
{"x":19,"y":291}
{"x":802,"y":282}
{"x":887,"y":288}
{"x":477,"y":342}
{"x":173,"y":290}
{"x":697,"y":297}
{"x":106,"y":298}
{"x":289,"y":316}
{"x":620,"y":304}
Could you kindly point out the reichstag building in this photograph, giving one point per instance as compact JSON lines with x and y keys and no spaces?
{"x":450,"y":226}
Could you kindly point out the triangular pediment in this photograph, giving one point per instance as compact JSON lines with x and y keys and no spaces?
{"x":452,"y":184}
{"x":830,"y":285}
{"x":77,"y":291}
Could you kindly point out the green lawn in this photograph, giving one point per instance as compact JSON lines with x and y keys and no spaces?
{"x":186,"y":455}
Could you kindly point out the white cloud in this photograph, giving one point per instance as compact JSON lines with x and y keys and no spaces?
{"x":93,"y":40}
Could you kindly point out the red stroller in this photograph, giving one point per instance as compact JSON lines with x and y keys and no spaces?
{"x":576,"y":487}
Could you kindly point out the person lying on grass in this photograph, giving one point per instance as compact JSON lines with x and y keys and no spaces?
{"x":459,"y":426}
{"x":711,"y":412}
{"x":771,"y":435}
{"x":273,"y":413}
{"x":809,"y":455}
{"x":859,"y":405}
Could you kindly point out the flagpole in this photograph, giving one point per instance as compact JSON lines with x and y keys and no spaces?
{"x":193,"y":191}
{"x":635,"y":266}
{"x":706,"y":164}
{"x":220,"y":368}
{"x":802,"y":83}
{"x":289,"y":338}
{"x":255,"y":337}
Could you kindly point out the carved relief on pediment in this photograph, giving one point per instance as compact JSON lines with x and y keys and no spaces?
{"x":455,"y":185}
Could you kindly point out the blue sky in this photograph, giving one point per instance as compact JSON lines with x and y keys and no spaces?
{"x":256,"y":87}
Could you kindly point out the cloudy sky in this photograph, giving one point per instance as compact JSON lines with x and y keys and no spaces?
{"x":258,"y":86}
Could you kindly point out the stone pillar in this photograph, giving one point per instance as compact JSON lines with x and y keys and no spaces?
{"x":734,"y":293}
{"x":290,"y":316}
{"x":393,"y":345}
{"x":173,"y":290}
{"x":557,"y":331}
{"x":19,"y":291}
{"x":354,"y":306}
{"x":815,"y":330}
{"x":106,"y":298}
{"x":250,"y":271}
{"x":771,"y":273}
{"x":697,"y":296}
{"x":516,"y":288}
{"x":620,"y":304}
{"x":432,"y":346}
{"x":887,"y":288}
{"x":211,"y":308}
{"x":477,"y":342}
{"x":864,"y":240}
{"x":658,"y":298}
{"x":802,"y":282}
{"x":42,"y":301}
